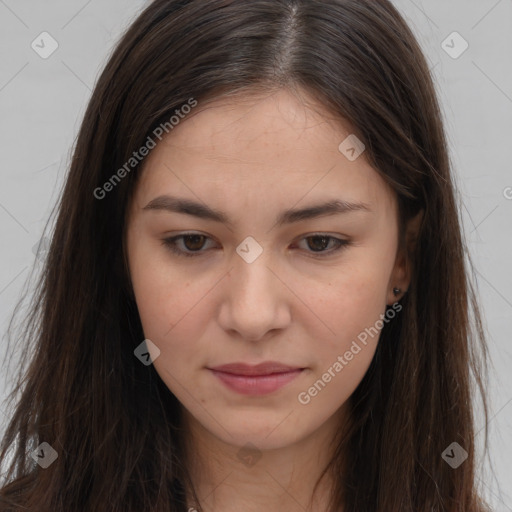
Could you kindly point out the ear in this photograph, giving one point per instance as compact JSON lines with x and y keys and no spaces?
{"x":401,"y":274}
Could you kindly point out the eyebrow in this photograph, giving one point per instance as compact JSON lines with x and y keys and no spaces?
{"x":202,"y":211}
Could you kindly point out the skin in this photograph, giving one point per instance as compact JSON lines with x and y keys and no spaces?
{"x":253,"y":157}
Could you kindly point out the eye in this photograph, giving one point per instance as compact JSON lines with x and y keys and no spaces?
{"x":194,"y":242}
{"x":319,"y":242}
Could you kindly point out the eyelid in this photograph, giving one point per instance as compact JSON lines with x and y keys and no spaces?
{"x":170,"y":244}
{"x":341,"y":243}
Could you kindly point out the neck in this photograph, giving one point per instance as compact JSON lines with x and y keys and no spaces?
{"x":231,"y":478}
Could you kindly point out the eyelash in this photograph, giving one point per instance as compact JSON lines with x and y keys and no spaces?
{"x":170,"y":244}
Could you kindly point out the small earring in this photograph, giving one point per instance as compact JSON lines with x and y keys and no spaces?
{"x":396,"y":291}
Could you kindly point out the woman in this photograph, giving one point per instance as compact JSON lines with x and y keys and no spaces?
{"x":255,"y":296}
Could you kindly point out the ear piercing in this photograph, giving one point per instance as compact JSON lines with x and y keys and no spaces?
{"x":396,"y":291}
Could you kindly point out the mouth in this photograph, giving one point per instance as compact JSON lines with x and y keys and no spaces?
{"x":261,"y":369}
{"x":257,"y":379}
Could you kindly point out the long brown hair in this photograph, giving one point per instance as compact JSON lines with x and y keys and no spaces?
{"x":112,"y":421}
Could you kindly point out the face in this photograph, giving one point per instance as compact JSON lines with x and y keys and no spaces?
{"x":244,"y":278}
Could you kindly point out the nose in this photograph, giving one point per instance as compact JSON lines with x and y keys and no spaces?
{"x":255,"y":299}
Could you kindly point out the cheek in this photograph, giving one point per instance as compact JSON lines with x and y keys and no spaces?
{"x":175,"y":315}
{"x":352,"y":305}
{"x":173,"y":309}
{"x":352,"y":300}
{"x":171,"y":322}
{"x":352,"y":309}
{"x":169,"y":307}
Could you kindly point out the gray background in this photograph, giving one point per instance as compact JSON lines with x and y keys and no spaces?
{"x":42,"y":102}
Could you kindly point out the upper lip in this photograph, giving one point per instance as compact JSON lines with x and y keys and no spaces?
{"x":266,"y":368}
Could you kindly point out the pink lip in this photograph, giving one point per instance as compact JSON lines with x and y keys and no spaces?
{"x":265,"y":368}
{"x":255,"y":379}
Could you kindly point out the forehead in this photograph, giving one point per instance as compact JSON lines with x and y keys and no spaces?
{"x":278,"y":146}
{"x":242,"y":125}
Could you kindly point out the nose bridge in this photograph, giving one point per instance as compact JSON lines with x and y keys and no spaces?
{"x":253,"y":304}
{"x":252,"y":277}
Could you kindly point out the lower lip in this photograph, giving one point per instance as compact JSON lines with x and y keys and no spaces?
{"x":256,"y":384}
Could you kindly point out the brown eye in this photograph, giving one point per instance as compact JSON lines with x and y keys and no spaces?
{"x":191,"y":244}
{"x":320,"y":243}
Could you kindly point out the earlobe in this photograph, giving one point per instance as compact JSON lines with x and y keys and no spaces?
{"x":401,"y":276}
{"x":400,"y":279}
